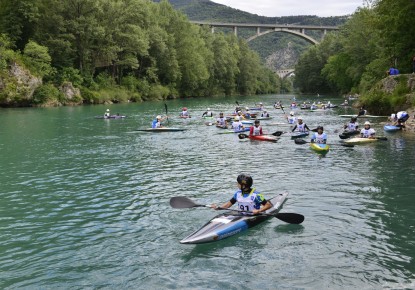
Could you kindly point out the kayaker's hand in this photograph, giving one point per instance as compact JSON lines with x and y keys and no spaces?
{"x":214,"y":206}
{"x":255,"y":211}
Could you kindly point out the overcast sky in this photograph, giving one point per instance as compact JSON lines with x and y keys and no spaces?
{"x":272,"y":8}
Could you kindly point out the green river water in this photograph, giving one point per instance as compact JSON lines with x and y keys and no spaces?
{"x":84,"y":202}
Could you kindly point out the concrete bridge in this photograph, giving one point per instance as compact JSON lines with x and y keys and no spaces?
{"x":262,"y":29}
{"x":283,"y":73}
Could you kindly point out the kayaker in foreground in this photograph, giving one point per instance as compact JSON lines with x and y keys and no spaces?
{"x":221,"y":121}
{"x":248,"y":198}
{"x":367,"y":132}
{"x":300,"y":126}
{"x":157,"y":122}
{"x":319,"y":137}
{"x":255,"y":130}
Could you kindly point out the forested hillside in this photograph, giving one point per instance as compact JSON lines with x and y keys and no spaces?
{"x":358,"y":57}
{"x":55,"y":52}
{"x":278,"y":50}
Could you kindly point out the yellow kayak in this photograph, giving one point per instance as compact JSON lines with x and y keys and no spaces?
{"x":320,"y":148}
{"x":359,"y":140}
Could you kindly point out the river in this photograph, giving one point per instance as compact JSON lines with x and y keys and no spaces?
{"x":84,"y":202}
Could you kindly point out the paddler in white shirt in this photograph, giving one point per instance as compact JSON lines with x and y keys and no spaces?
{"x":367,"y":132}
{"x":300,"y":126}
{"x":319,"y":137}
{"x":221,"y":121}
{"x":237,"y":124}
{"x":248,"y":198}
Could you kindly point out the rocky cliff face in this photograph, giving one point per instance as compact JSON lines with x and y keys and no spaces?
{"x":285,"y":58}
{"x":18,"y":86}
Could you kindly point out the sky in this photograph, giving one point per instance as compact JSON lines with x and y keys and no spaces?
{"x":273,"y":8}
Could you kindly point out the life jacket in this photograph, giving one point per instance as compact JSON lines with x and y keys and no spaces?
{"x":256,"y":130}
{"x":247,"y":202}
{"x":352,"y":126}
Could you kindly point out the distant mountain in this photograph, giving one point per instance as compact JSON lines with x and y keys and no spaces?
{"x":279,"y":50}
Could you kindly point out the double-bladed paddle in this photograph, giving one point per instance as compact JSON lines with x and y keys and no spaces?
{"x":184,"y":202}
{"x":165,"y":107}
{"x":301,"y":142}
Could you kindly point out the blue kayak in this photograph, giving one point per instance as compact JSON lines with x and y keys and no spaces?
{"x":391,"y":128}
{"x":228,"y":224}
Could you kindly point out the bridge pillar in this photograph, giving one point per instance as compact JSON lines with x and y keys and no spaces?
{"x":235,"y":30}
{"x":258,"y":30}
{"x":302,"y":31}
{"x":213,"y":29}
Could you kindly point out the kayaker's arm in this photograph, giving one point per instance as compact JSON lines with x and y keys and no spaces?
{"x":263,"y":208}
{"x":227,"y":204}
{"x":295,"y":127}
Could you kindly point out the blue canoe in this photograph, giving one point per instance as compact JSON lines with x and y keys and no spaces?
{"x":391,"y":128}
{"x":228,"y":224}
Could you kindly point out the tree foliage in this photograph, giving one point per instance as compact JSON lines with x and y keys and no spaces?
{"x":145,"y":48}
{"x":373,"y":39}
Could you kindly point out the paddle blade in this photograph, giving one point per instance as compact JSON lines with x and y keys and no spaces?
{"x":343,"y":136}
{"x":347,"y":145}
{"x":382,"y":138}
{"x":277,"y":133}
{"x":300,"y":141}
{"x":242,"y":136}
{"x":291,"y":218}
{"x":182,"y":202}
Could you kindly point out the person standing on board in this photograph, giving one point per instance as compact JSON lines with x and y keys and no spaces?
{"x":107,"y":113}
{"x":353,"y":125}
{"x":248,"y":198}
{"x":319,"y":137}
{"x":255,"y":130}
{"x":300,"y":126}
{"x":221,"y":121}
{"x":237,"y":124}
{"x":367,"y":132}
{"x":157,"y":122}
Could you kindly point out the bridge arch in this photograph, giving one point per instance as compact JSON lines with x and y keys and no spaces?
{"x":298,"y":30}
{"x":300,"y":34}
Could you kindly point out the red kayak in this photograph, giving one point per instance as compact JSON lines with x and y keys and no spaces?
{"x":269,"y":138}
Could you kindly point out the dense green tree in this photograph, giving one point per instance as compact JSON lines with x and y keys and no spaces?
{"x":18,"y":19}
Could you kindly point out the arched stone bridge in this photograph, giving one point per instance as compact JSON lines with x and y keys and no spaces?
{"x":262,"y":29}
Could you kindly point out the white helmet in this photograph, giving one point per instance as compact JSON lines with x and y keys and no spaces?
{"x":299,"y":118}
{"x":108,"y":110}
{"x":158,"y":117}
{"x":208,"y":109}
{"x":292,"y":113}
{"x":236,"y":118}
{"x":367,"y":123}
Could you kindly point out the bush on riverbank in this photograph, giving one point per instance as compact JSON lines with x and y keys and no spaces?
{"x":392,"y":94}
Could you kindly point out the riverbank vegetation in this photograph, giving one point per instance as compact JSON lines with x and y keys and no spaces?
{"x":356,"y":59}
{"x":118,"y":51}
